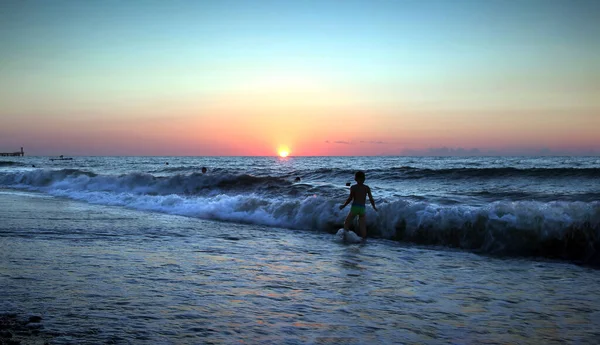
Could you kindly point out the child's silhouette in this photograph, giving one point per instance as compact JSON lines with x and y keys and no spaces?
{"x":358,"y":193}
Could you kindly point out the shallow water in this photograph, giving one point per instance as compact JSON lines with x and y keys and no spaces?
{"x":100,"y":274}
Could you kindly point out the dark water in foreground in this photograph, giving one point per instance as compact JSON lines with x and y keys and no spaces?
{"x":111,"y":275}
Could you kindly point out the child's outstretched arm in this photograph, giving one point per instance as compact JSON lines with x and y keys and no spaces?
{"x":371,"y":198}
{"x":350,"y":197}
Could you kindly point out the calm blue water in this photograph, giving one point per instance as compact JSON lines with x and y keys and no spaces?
{"x":130,"y":250}
{"x":539,"y":206}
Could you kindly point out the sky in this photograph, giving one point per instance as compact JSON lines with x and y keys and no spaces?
{"x":246,"y":78}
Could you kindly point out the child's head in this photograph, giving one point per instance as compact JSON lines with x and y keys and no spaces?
{"x":359,"y":176}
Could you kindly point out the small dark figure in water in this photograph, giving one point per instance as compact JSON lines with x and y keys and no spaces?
{"x":297,"y":179}
{"x":347,"y":184}
{"x":33,"y":165}
{"x":167,"y":163}
{"x":359,"y":193}
{"x":204,"y":170}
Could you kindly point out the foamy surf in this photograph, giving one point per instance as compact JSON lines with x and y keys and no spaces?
{"x":506,"y":206}
{"x":347,"y":236}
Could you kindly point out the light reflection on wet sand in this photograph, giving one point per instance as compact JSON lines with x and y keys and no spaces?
{"x":135,"y":277}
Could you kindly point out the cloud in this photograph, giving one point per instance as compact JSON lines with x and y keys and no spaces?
{"x":445,"y":151}
{"x":373,"y":142}
{"x":465,"y":152}
{"x":348,"y":142}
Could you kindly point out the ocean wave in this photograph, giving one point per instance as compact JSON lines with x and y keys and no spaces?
{"x":177,"y":169}
{"x":410,"y":172}
{"x":558,"y":229}
{"x":566,"y":230}
{"x":461,"y":173}
{"x":10,"y":164}
{"x":141,"y":183}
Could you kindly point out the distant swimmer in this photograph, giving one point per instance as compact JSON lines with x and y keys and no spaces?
{"x":358,"y":193}
{"x":167,"y":163}
{"x":297,"y":179}
{"x":204,"y":170}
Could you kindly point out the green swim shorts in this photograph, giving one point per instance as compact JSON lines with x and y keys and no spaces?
{"x":358,"y":210}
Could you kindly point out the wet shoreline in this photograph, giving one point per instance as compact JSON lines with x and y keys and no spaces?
{"x":98,"y":274}
{"x":17,"y":329}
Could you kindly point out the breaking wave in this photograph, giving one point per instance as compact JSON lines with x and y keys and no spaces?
{"x":557,"y":229}
{"x":410,"y":172}
{"x":10,"y":164}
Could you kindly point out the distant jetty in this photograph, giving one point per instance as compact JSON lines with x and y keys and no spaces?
{"x":13,"y":154}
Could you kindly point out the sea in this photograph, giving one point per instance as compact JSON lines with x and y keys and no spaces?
{"x":151,"y":250}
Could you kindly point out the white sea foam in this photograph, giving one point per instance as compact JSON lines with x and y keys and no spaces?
{"x":497,"y":226}
{"x":347,"y":236}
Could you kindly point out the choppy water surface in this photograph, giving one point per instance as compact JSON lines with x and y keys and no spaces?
{"x":100,"y":274}
{"x":513,"y":206}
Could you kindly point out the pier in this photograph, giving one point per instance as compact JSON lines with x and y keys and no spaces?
{"x":13,"y":154}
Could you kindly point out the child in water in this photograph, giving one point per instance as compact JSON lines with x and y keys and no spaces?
{"x":358,"y":193}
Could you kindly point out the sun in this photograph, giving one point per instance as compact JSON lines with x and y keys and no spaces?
{"x":283,"y":151}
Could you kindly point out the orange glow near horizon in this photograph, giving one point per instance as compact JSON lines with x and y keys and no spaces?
{"x":336,"y":131}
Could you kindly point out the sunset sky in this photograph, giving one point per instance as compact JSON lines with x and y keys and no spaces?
{"x":320,"y":77}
